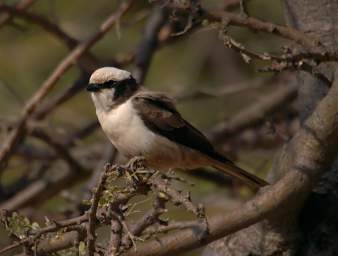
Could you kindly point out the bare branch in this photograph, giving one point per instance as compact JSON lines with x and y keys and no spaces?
{"x":60,"y":150}
{"x":91,"y":236}
{"x":115,"y":237}
{"x":42,"y":22}
{"x":17,"y":135}
{"x":309,"y":161}
{"x":61,"y":98}
{"x":300,"y":61}
{"x":254,"y":114}
{"x":149,"y":43}
{"x":226,"y":90}
{"x":151,"y":216}
{"x":309,"y":154}
{"x":232,"y":19}
{"x":21,"y":5}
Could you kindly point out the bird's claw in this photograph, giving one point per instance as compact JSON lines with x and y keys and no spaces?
{"x":136,"y":163}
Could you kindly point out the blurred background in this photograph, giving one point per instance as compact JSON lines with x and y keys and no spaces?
{"x":212,"y":85}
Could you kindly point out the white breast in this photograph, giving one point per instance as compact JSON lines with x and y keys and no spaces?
{"x":131,"y":137}
{"x":126,"y":130}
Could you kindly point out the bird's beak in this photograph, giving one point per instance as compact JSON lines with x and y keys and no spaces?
{"x":92,"y":88}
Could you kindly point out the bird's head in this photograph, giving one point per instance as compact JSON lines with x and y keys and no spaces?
{"x":110,"y":87}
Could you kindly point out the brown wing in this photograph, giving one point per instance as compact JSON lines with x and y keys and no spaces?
{"x":160,"y":115}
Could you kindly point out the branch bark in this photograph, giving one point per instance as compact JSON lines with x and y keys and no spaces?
{"x":87,"y":61}
{"x":22,"y":5}
{"x":254,"y":114}
{"x":19,"y":132}
{"x":149,"y":43}
{"x":309,"y":160}
{"x":307,"y":41}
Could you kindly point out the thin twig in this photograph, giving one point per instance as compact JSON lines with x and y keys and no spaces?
{"x":253,"y":114}
{"x":149,"y":43}
{"x":300,"y":61}
{"x":91,"y":236}
{"x":21,"y":5}
{"x":255,"y":24}
{"x":149,"y":218}
{"x":19,"y":133}
{"x":60,"y":150}
{"x":115,"y":234}
{"x":170,"y":226}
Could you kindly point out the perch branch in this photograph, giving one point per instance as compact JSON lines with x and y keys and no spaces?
{"x":91,"y":236}
{"x":314,"y":149}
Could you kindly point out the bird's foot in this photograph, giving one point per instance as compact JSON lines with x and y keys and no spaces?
{"x":136,"y":163}
{"x":137,"y":171}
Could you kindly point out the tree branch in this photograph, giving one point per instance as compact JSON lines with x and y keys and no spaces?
{"x":149,"y":43}
{"x":314,"y":151}
{"x":254,"y":114}
{"x":91,"y":236}
{"x":19,"y":132}
{"x":87,"y":61}
{"x":22,"y":5}
{"x":233,"y":19}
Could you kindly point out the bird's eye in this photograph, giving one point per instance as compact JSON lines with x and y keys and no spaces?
{"x":108,"y":84}
{"x":93,"y":87}
{"x":119,"y":91}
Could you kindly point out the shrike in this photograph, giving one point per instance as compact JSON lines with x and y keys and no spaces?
{"x":143,"y":123}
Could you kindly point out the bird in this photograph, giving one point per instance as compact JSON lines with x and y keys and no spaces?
{"x":144,"y":123}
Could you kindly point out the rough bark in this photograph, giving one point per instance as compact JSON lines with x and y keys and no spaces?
{"x":307,"y":230}
{"x":319,"y":227}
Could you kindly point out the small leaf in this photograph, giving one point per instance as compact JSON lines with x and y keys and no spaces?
{"x":35,"y":225}
{"x":82,"y":248}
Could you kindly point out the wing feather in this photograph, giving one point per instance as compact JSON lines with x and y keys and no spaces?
{"x":159,"y":114}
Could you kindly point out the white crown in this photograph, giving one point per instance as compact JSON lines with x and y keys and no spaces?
{"x":105,"y":74}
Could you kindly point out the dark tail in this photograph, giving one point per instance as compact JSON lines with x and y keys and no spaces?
{"x":226,"y":166}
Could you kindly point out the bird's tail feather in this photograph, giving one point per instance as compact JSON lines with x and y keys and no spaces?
{"x":229,"y":168}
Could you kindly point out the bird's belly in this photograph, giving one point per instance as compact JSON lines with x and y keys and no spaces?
{"x":128,"y":135}
{"x":159,"y":152}
{"x":131,"y":137}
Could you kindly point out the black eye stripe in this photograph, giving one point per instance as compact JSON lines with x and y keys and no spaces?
{"x":113,"y":84}
{"x":107,"y":85}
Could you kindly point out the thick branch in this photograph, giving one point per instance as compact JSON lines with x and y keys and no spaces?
{"x":314,"y":151}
